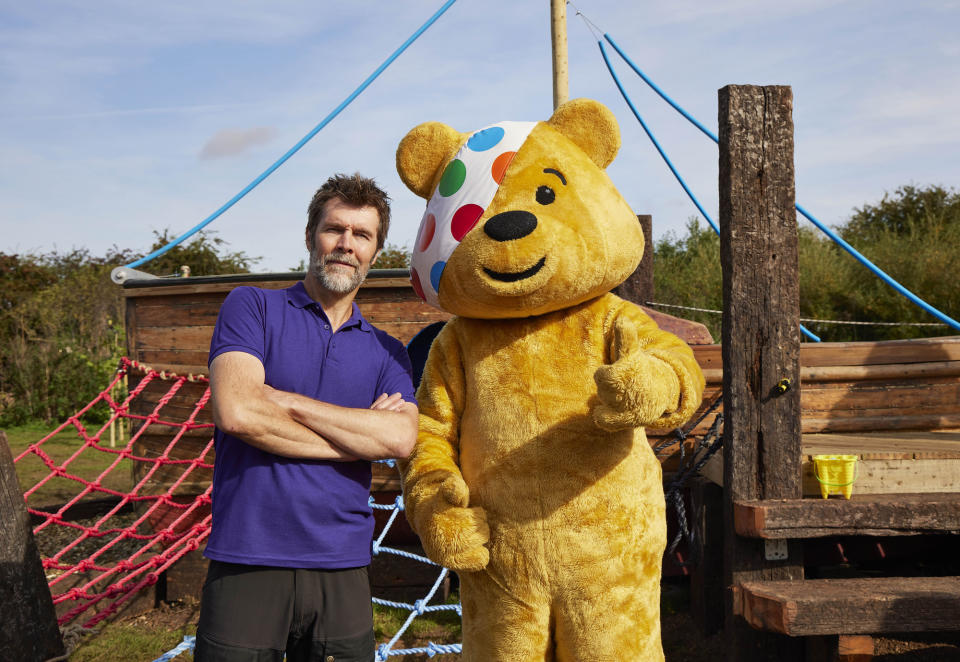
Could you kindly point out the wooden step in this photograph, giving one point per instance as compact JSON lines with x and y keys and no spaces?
{"x":850,"y":606}
{"x":861,"y":515}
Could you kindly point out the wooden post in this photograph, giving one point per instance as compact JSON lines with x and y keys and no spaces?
{"x":28,"y":622}
{"x":558,"y":39}
{"x":638,"y":288}
{"x":760,"y":339}
{"x":706,"y":577}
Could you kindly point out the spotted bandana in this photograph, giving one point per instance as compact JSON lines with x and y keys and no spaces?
{"x":466,"y":188}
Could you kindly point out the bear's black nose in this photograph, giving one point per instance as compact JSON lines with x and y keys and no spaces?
{"x":510,"y":225}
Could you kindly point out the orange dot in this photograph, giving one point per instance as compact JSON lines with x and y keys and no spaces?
{"x":500,"y":164}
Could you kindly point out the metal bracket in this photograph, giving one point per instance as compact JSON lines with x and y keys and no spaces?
{"x":775,"y":550}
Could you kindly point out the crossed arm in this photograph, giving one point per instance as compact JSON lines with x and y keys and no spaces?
{"x":296,"y":426}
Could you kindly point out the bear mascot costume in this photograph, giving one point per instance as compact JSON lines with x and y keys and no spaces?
{"x":532,"y":476}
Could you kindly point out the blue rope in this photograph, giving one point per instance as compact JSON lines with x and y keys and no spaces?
{"x":303,"y":141}
{"x":823,"y":228}
{"x":663,"y":95}
{"x":879,"y":272}
{"x":666,"y":159}
{"x":187,"y":644}
{"x":663,"y":155}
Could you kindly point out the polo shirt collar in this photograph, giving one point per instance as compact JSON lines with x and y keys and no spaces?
{"x":297,"y":296}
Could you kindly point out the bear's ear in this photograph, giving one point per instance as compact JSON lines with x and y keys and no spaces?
{"x":422,"y":153}
{"x":591,"y":126}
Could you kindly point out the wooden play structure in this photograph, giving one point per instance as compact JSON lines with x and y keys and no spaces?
{"x":893,"y":401}
{"x":894,"y":404}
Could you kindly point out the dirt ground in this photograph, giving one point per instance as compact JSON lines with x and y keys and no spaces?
{"x":682,"y":641}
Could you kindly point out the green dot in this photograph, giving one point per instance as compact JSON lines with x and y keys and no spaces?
{"x":453,"y":178}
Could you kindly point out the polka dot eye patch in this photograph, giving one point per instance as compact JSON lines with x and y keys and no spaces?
{"x":466,"y":189}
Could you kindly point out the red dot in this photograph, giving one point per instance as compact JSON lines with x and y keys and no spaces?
{"x":500,"y":164}
{"x":415,"y":281}
{"x":464,"y":219}
{"x":426,"y":232}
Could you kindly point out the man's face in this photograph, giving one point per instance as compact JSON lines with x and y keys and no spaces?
{"x":343,"y":246}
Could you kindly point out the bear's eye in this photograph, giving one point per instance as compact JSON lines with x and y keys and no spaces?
{"x":545,"y":195}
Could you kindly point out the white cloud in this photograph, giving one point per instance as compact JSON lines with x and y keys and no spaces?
{"x":231,"y":142}
{"x":108,"y":104}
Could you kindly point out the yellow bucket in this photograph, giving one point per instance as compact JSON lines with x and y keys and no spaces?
{"x":835,"y":473}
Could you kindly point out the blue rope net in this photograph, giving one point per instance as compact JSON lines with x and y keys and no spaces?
{"x":882,"y":275}
{"x":416,"y":609}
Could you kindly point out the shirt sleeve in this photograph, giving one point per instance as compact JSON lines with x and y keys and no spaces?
{"x":397,"y":373}
{"x":240,"y":325}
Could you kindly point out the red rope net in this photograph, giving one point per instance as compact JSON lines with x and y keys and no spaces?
{"x":100,"y":563}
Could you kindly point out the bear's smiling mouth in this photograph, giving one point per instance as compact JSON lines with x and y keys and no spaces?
{"x":512,"y":277}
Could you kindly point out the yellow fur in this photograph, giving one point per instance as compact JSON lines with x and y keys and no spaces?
{"x":532,"y":475}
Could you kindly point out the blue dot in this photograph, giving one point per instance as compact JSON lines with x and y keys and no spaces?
{"x":481,"y":141}
{"x":435,"y":272}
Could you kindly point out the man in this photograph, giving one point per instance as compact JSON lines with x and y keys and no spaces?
{"x":305,"y":393}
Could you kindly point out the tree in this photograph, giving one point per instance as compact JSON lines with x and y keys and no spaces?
{"x":61,"y":328}
{"x":912,"y":235}
{"x":393,"y":257}
{"x":205,"y":254}
{"x":908,"y":210}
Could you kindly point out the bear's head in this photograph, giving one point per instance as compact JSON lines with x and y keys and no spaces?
{"x":521,"y":218}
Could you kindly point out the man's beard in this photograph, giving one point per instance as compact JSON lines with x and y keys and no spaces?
{"x":332,"y":278}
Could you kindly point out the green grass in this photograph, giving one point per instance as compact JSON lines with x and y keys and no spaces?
{"x":440,"y":627}
{"x":132,"y":642}
{"x":87,"y":465}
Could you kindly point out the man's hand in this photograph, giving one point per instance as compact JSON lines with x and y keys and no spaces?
{"x":393,"y":402}
{"x":246,"y":408}
{"x":296,"y":426}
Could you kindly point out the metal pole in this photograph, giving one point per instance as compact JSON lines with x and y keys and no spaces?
{"x":558,"y":36}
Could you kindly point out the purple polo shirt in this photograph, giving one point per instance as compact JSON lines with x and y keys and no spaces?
{"x":271,"y":510}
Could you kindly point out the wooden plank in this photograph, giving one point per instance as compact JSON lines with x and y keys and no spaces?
{"x":196,"y":338}
{"x":709,"y":357}
{"x":28,"y":629}
{"x":131,"y":325}
{"x":878,"y":420}
{"x":191,"y":358}
{"x":895,"y":395}
{"x":897,"y":476}
{"x":180,"y":287}
{"x":885,"y":445}
{"x":855,"y":648}
{"x":883,"y":371}
{"x":851,"y":606}
{"x":179,"y":313}
{"x":760,"y":336}
{"x":206,"y":285}
{"x":918,"y":350}
{"x":920,"y":462}
{"x":873,"y":515}
{"x":854,"y":354}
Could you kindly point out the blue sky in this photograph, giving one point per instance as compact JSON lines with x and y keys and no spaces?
{"x":118,"y":118}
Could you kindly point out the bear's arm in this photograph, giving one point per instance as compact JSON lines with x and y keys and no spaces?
{"x":436,"y":498}
{"x":658,"y":359}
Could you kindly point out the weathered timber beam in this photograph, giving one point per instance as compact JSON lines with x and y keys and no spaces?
{"x":851,"y":606}
{"x":760,"y":337}
{"x":849,"y":373}
{"x":864,"y":515}
{"x":28,"y":621}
